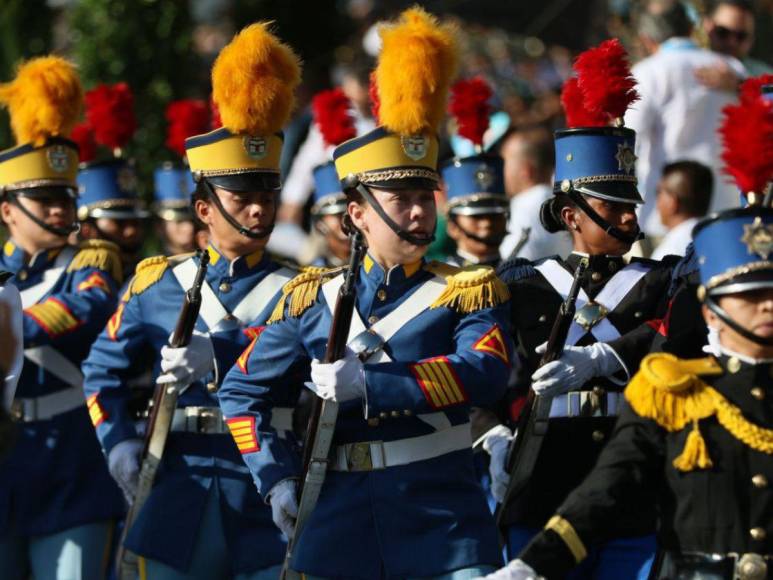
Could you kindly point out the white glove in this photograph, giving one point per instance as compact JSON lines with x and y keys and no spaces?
{"x":577,"y":365}
{"x":343,"y":380}
{"x":284,"y":506}
{"x":187,"y":364}
{"x":123,"y":462}
{"x":515,"y":570}
{"x":497,"y":444}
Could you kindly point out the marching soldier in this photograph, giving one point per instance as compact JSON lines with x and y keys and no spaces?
{"x":203,"y":518}
{"x":58,"y":499}
{"x":477,"y":205}
{"x":400,"y":498}
{"x":595,"y":200}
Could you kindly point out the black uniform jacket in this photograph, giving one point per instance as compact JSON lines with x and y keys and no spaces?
{"x":725,"y":507}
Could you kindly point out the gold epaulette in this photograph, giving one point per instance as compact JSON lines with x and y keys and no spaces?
{"x":148,"y":272}
{"x":468,"y":289}
{"x":99,"y":254}
{"x":670,"y":391}
{"x":301,"y":292}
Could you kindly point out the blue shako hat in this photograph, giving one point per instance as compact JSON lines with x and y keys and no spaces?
{"x":476,"y":185}
{"x":173,"y":186}
{"x":329,"y":197}
{"x":108,"y":189}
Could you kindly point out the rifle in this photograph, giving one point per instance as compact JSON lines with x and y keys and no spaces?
{"x":533,"y":421}
{"x":319,"y":433}
{"x":162,"y":410}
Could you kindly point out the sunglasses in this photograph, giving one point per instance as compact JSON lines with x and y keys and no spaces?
{"x":724,"y":33}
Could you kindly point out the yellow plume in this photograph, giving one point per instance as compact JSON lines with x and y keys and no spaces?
{"x":254,"y":80}
{"x":44,"y":100}
{"x":415,"y":68}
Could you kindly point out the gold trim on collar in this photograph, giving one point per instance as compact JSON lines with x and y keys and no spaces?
{"x":214,"y":255}
{"x":253,"y":258}
{"x":9,"y":248}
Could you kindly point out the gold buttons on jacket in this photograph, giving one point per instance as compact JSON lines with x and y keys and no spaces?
{"x":733,"y":365}
{"x":543,"y":318}
{"x":22,"y":275}
{"x":395,"y":414}
{"x":760,"y":481}
{"x":383,"y":415}
{"x":757,"y":393}
{"x":212,"y":387}
{"x":381,"y":294}
{"x":758,"y":534}
{"x":373,"y":422}
{"x":224,"y":287}
{"x":372,"y":319}
{"x":597,"y":436}
{"x":596,"y":276}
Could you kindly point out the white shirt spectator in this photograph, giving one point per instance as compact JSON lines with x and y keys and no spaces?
{"x":675,"y":242}
{"x":12,"y":309}
{"x":677,"y":118}
{"x":524,"y":213}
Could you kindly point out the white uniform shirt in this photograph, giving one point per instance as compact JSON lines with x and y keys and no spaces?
{"x":675,"y":242}
{"x":10,"y":295}
{"x":677,"y":119}
{"x":524,"y":213}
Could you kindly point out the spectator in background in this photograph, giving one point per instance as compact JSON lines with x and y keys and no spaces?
{"x":529,"y":163}
{"x":730,"y":30}
{"x":684,"y":195}
{"x":677,"y":117}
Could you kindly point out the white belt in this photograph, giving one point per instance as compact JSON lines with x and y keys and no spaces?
{"x":47,"y":407}
{"x":210,"y":420}
{"x":585,"y":404}
{"x":370,"y":455}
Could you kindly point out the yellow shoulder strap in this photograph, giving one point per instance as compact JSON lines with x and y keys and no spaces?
{"x":99,"y":254}
{"x":468,"y":289}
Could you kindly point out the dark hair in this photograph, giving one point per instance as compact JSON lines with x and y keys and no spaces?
{"x":695,"y":190}
{"x":550,"y":212}
{"x":745,"y":5}
{"x":664,"y":19}
{"x":536,"y":146}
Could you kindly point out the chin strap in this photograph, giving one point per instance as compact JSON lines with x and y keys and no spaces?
{"x":245,"y":231}
{"x":402,"y":234}
{"x":64,"y":232}
{"x":745,"y":332}
{"x":608,"y":228}
{"x":492,"y":241}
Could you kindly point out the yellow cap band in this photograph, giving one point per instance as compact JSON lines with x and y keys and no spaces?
{"x":223,"y":153}
{"x":55,"y":163}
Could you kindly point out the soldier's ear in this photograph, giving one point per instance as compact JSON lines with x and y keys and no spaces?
{"x":356,"y":211}
{"x":203,"y":211}
{"x":5,"y":212}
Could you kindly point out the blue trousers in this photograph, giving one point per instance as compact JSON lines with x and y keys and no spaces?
{"x":80,"y":553}
{"x":464,"y":574}
{"x":210,"y":556}
{"x":629,"y":558}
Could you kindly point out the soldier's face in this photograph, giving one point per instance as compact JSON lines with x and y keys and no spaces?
{"x":753,"y":311}
{"x":254,"y":210}
{"x":179,"y":235}
{"x":56,"y":211}
{"x":592,"y":239}
{"x":486,"y":226}
{"x":413,"y":210}
{"x":127,"y":233}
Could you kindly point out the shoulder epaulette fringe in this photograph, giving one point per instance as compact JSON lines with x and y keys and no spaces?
{"x":670,"y":391}
{"x":469,"y":289}
{"x":148,"y":272}
{"x":301,"y":292}
{"x":99,"y":254}
{"x":516,"y":269}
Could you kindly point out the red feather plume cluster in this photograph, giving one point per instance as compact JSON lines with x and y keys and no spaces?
{"x":186,"y":117}
{"x":469,"y":105}
{"x":332,"y":113}
{"x":751,"y":88}
{"x":375,"y":102}
{"x":747,"y":140}
{"x":110,"y":113}
{"x":84,"y":137}
{"x":603,"y":89}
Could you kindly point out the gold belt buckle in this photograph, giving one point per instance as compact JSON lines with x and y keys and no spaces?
{"x":358,"y":457}
{"x":590,"y":315}
{"x":751,"y":567}
{"x":208,"y":421}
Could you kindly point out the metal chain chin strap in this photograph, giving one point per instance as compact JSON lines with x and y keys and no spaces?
{"x":490,"y":242}
{"x":363,"y":190}
{"x":264,"y":233}
{"x":611,"y":230}
{"x":65,"y":231}
{"x":725,"y":317}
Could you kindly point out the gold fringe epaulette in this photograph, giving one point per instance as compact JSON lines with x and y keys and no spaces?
{"x":99,"y":254}
{"x":670,"y":391}
{"x":468,"y":289}
{"x":148,"y":272}
{"x":301,"y":292}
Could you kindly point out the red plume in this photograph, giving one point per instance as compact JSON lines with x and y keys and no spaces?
{"x":332,"y":113}
{"x":747,"y":140}
{"x":375,"y":102}
{"x":574,"y":107}
{"x":110,"y":112}
{"x":215,"y":122}
{"x":469,"y":104}
{"x":186,"y":118}
{"x":751,"y":88}
{"x":84,"y":137}
{"x":605,"y":81}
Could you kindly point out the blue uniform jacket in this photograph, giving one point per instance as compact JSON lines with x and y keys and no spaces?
{"x":56,"y":477}
{"x":419,"y":519}
{"x":193,"y":463}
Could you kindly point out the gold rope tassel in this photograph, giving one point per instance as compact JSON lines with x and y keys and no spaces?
{"x":149,"y":271}
{"x":472,"y":289}
{"x":302,"y":293}
{"x":98,"y":254}
{"x":695,"y":454}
